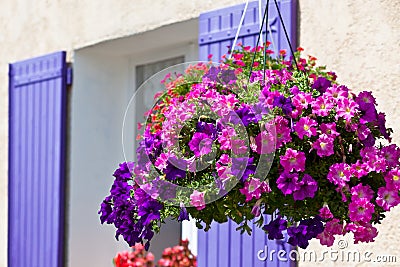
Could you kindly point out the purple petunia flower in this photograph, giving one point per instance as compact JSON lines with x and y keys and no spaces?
{"x":284,"y":103}
{"x":106,"y":210}
{"x":149,"y":211}
{"x":306,"y":188}
{"x":243,"y":167}
{"x":287,"y":182}
{"x":298,"y":236}
{"x":207,"y":128}
{"x":172,"y":172}
{"x":314,"y":226}
{"x":183,"y":214}
{"x":245,"y":114}
{"x":275,"y":228}
{"x":321,"y":84}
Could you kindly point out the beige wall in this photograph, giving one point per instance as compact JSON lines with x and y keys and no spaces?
{"x":359,"y":39}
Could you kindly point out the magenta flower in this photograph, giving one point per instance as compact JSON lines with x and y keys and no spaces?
{"x":336,"y":92}
{"x":361,"y":191}
{"x":326,"y":238}
{"x":197,"y":200}
{"x":301,"y":100}
{"x":305,"y":126}
{"x":358,"y":169}
{"x":239,"y":146}
{"x":324,"y":145}
{"x":253,"y":189}
{"x":334,"y":227}
{"x":325,"y":212}
{"x":391,"y":154}
{"x":225,"y":138}
{"x":329,"y":129}
{"x":363,"y":232}
{"x":339,"y":174}
{"x":346,"y":109}
{"x":388,"y":198}
{"x":321,"y":106}
{"x":361,"y":210}
{"x":200,"y":144}
{"x":293,"y":160}
{"x":282,"y":131}
{"x":162,"y":161}
{"x":265,"y":143}
{"x":287,"y":182}
{"x":306,"y":188}
{"x":363,"y":132}
{"x":393,"y":178}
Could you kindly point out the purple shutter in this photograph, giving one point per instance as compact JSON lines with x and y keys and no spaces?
{"x":223,"y":246}
{"x":37,"y":108}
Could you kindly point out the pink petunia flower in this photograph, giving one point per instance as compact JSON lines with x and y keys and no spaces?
{"x":336,"y":92}
{"x":361,"y":191}
{"x":358,"y":169}
{"x":391,"y":154}
{"x":265,"y":142}
{"x":253,"y":188}
{"x":293,"y":160}
{"x":324,"y":146}
{"x":393,"y":178}
{"x":363,"y":232}
{"x":282,"y":131}
{"x":346,"y":109}
{"x":388,"y":198}
{"x":225,"y":138}
{"x":339,"y":174}
{"x":197,"y":200}
{"x":361,"y":210}
{"x":321,"y":106}
{"x":200,"y":144}
{"x":329,"y":129}
{"x":305,"y":126}
{"x":325,"y":212}
{"x":301,"y":100}
{"x":162,"y":161}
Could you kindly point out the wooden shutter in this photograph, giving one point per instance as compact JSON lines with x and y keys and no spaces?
{"x":223,"y":246}
{"x":37,"y":108}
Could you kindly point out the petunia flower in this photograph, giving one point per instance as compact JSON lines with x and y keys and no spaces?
{"x":361,"y":210}
{"x":305,"y":126}
{"x":197,"y":200}
{"x":306,"y":188}
{"x":361,"y":191}
{"x":293,"y":160}
{"x":339,"y":174}
{"x":388,"y":198}
{"x":324,"y":146}
{"x":287,"y":182}
{"x":275,"y":228}
{"x":200,"y":144}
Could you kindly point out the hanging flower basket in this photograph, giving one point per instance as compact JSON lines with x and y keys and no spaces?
{"x":258,"y":135}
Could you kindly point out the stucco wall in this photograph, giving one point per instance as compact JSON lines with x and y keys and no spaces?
{"x":359,"y":39}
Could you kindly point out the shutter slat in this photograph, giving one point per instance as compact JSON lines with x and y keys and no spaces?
{"x":37,"y":161}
